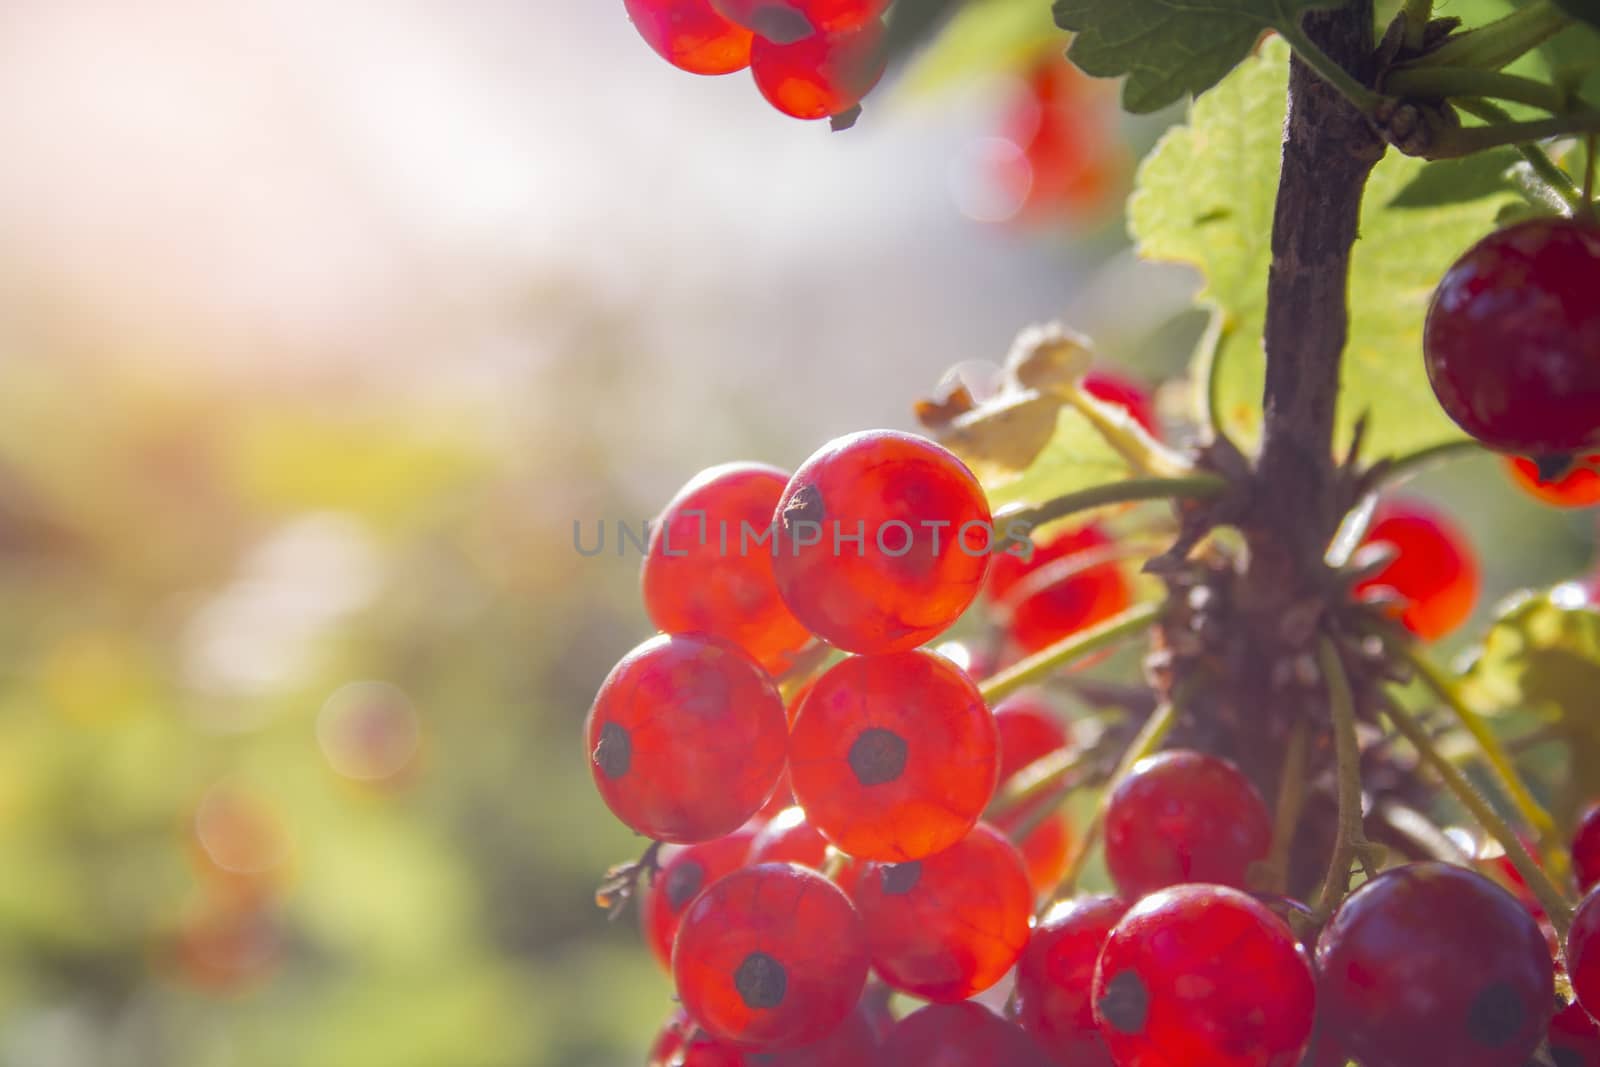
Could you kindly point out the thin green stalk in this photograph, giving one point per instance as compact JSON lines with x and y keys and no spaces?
{"x":1052,"y":658}
{"x":1501,"y":42}
{"x":1554,"y":901}
{"x":1365,"y":100}
{"x":1291,"y":804}
{"x":1398,"y":470}
{"x":1438,"y":83}
{"x":1558,"y":181}
{"x":1351,"y":839}
{"x":1042,"y":777}
{"x":1471,"y":139}
{"x":1191,"y":487}
{"x":1155,"y":731}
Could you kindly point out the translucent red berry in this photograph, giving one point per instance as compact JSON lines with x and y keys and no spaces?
{"x":1029,"y":730}
{"x":1055,"y":978}
{"x":960,"y":1035}
{"x":1433,"y":573}
{"x":709,"y":565}
{"x":1583,"y":952}
{"x":1574,"y":1038}
{"x":853,"y":1043}
{"x":1512,"y":340}
{"x":1124,"y":392}
{"x":1577,"y":487}
{"x":772,"y":956}
{"x":683,"y":872}
{"x":883,"y":541}
{"x":1184,"y":817}
{"x":949,"y":926}
{"x":1586,"y":848}
{"x":1067,"y":585}
{"x":686,"y":738}
{"x":786,"y":21}
{"x":1202,"y":974}
{"x":894,"y":757}
{"x":691,"y":36}
{"x":789,"y":838}
{"x":1433,"y":963}
{"x":819,"y":76}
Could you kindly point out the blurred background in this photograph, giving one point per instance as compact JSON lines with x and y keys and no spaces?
{"x":321,"y":324}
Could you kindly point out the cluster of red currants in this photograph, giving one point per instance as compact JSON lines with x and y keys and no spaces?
{"x":812,"y":59}
{"x":1512,"y":346}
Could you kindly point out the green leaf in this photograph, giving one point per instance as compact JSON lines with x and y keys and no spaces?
{"x":1205,"y":197}
{"x":1170,"y":48}
{"x":1076,"y":458}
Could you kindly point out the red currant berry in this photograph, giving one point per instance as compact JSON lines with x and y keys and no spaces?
{"x":1433,"y":572}
{"x":771,"y":956}
{"x":1586,"y":848}
{"x":1055,"y":977}
{"x":789,"y":838}
{"x":851,"y":1044}
{"x":1574,"y":1038}
{"x":960,"y":1035}
{"x":686,"y":738}
{"x":819,"y":76}
{"x":1579,"y":487}
{"x":1029,"y":731}
{"x":691,"y":36}
{"x":1512,"y":340}
{"x":949,"y":926}
{"x":1583,"y":952}
{"x":1202,"y":974}
{"x":1060,"y":590}
{"x":1433,"y":963}
{"x":1071,"y":161}
{"x":894,"y":757}
{"x":684,"y":871}
{"x":1124,"y":392}
{"x":924,"y":529}
{"x":783,"y":796}
{"x":1184,"y":817}
{"x":787,"y":21}
{"x":683,"y":1044}
{"x":706,"y":573}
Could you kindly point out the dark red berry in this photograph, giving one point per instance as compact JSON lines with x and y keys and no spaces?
{"x":1433,"y":573}
{"x":790,"y":838}
{"x":691,"y":36}
{"x":960,"y":1035}
{"x":1586,"y":848}
{"x":709,"y":566}
{"x":787,"y":21}
{"x":1577,"y":487}
{"x":1055,"y":978}
{"x":686,"y":738}
{"x":1202,"y":974}
{"x":1184,"y":817}
{"x":1512,"y":340}
{"x":1433,"y":963}
{"x":1583,"y":952}
{"x":819,"y":76}
{"x":894,"y":757}
{"x":949,"y":926}
{"x":924,"y":529}
{"x":683,"y":872}
{"x":1065,"y":586}
{"x":854,"y":1043}
{"x":1574,"y":1038}
{"x":771,"y":956}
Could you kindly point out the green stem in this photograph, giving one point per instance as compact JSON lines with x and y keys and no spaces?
{"x":1351,"y":835}
{"x":1437,"y":83}
{"x":1364,"y":99}
{"x":1291,"y":804}
{"x":1150,"y":737}
{"x":1044,"y":776}
{"x":1053,"y":657}
{"x":1418,"y":14}
{"x":1398,"y":470}
{"x":1494,"y":753}
{"x":1557,"y":181}
{"x":1501,"y":42}
{"x":1191,"y":487}
{"x":1550,"y":896}
{"x":1471,"y":139}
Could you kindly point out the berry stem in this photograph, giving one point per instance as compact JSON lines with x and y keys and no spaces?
{"x":1556,"y":182}
{"x":1052,"y":773}
{"x":1439,"y":83}
{"x":1468,"y":140}
{"x":1418,"y":14}
{"x":1122,"y":431}
{"x":1351,"y":841}
{"x":1550,"y":896}
{"x":1413,"y":463}
{"x":1291,"y":803}
{"x":1191,"y":487}
{"x":1154,"y":732}
{"x":1501,"y":42}
{"x":1494,"y":753}
{"x":1074,"y":647}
